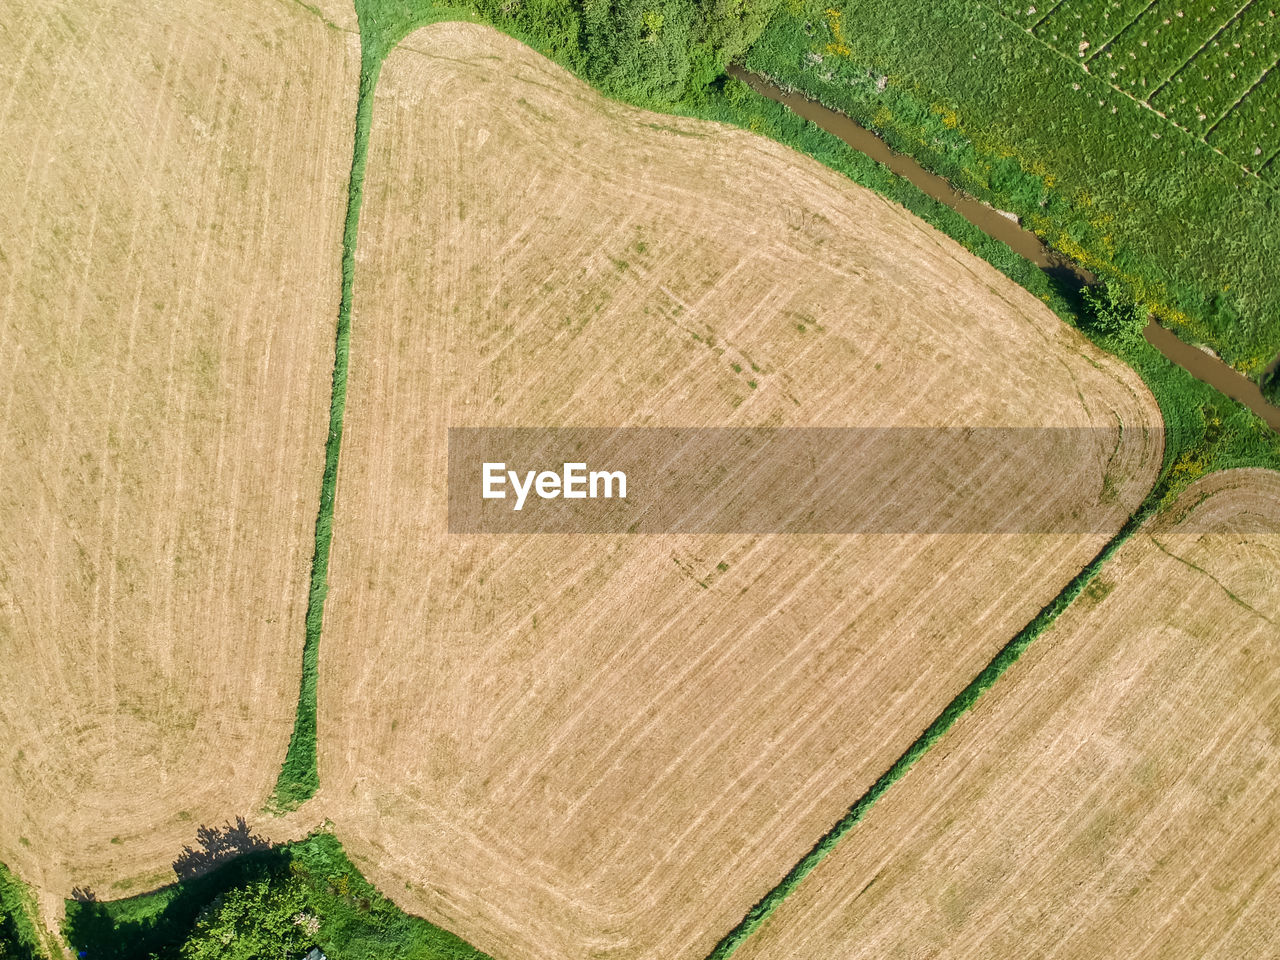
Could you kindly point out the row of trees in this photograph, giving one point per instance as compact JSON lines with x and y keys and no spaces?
{"x":646,"y":51}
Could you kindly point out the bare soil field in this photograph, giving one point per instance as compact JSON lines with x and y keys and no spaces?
{"x":170,"y":240}
{"x":587,"y":746}
{"x":1115,"y":795}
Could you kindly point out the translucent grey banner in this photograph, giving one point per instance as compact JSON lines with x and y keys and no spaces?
{"x":647,"y":480}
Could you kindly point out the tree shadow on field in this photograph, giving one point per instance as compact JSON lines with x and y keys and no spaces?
{"x":1068,"y":280}
{"x":216,"y":846}
{"x":156,"y":924}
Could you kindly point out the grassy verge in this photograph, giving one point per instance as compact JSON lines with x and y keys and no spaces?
{"x":313,"y":880}
{"x":299,"y":777}
{"x":1105,"y":180}
{"x":965,"y":699}
{"x":21,"y":937}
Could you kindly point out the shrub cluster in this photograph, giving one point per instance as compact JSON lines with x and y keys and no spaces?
{"x":262,"y":906}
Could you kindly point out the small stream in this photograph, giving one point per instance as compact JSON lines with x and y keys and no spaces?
{"x":1005,"y":228}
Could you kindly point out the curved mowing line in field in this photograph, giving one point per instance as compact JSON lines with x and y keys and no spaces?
{"x":965,"y":699}
{"x":299,"y":776}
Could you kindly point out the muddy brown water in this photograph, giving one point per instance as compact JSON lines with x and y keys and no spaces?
{"x":1207,"y":367}
{"x":1005,"y":228}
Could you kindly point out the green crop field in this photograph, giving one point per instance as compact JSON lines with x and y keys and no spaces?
{"x":1138,"y":138}
{"x":1204,"y":66}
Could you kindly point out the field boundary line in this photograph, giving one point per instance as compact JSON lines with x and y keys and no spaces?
{"x":952,"y":712}
{"x":1240,"y":99}
{"x":1083,"y":66}
{"x":1199,"y":50}
{"x":1267,"y":162}
{"x":1223,"y":587}
{"x":299,"y":774}
{"x":1117,"y":35}
{"x":1042,"y":18}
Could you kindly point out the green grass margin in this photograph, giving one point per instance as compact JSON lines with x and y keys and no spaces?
{"x":18,"y":908}
{"x":299,"y":774}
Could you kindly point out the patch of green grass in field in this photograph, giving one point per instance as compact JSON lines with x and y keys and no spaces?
{"x":1099,"y":176}
{"x":257,"y":898}
{"x":20,"y":936}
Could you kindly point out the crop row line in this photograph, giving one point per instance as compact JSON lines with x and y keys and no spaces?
{"x":1142,"y":103}
{"x":1262,"y":167}
{"x":1240,"y":99}
{"x":1119,"y":33}
{"x":1186,"y":63}
{"x":1045,"y":16}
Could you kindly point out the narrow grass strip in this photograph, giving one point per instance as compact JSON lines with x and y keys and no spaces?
{"x":19,"y":924}
{"x":299,"y":776}
{"x":945,"y":720}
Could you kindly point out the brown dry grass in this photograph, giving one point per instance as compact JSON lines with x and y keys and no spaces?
{"x":170,"y":240}
{"x":1116,"y":795}
{"x":566,"y":746}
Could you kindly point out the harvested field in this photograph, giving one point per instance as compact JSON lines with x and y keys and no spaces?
{"x":170,"y":235}
{"x":569,"y":746}
{"x":1117,"y":794}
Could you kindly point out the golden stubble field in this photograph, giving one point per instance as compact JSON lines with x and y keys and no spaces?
{"x":1115,"y":795}
{"x":170,"y":242}
{"x":571,"y":746}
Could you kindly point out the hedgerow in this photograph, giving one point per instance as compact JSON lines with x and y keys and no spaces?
{"x":271,"y":903}
{"x":20,"y":935}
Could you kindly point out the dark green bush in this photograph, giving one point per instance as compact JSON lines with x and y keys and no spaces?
{"x":262,"y":906}
{"x":1110,"y":312}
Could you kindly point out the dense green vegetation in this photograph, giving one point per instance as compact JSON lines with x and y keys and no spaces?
{"x":262,"y":906}
{"x":1271,"y":385}
{"x":1100,"y":177}
{"x":645,"y":51}
{"x":19,"y":937}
